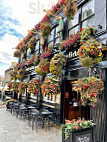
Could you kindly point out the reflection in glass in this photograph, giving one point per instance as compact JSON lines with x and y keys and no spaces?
{"x":88,"y":23}
{"x":51,"y":36}
{"x":73,"y":22}
{"x":88,"y":9}
{"x":56,"y":32}
{"x":74,"y":30}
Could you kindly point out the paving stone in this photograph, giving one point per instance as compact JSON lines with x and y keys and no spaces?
{"x":15,"y":130}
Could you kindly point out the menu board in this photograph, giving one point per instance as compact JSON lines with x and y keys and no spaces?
{"x":83,"y":137}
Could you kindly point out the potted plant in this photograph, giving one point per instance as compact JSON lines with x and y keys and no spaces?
{"x":20,"y":73}
{"x":14,"y":86}
{"x":43,"y":67}
{"x":22,"y":86}
{"x":45,"y":29}
{"x":34,"y":86}
{"x":70,"y":9}
{"x":89,"y":88}
{"x":57,"y":63}
{"x":90,"y":52}
{"x":77,"y":130}
{"x":32,"y":61}
{"x":17,"y":53}
{"x":46,"y":53}
{"x":32,"y":43}
{"x":50,"y":87}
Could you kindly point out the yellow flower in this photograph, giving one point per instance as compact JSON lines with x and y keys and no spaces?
{"x":100,"y":54}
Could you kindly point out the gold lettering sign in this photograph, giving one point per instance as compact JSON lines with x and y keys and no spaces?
{"x":73,"y":54}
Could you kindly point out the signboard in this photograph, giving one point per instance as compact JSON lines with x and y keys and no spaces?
{"x":30,"y":68}
{"x":73,"y":54}
{"x":87,"y":137}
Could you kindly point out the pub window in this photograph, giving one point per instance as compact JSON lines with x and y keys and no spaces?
{"x":73,"y":30}
{"x":37,"y":47}
{"x":88,"y":23}
{"x":57,"y":40}
{"x":56,"y":32}
{"x":73,"y":22}
{"x":51,"y":36}
{"x":50,"y":43}
{"x":88,"y":9}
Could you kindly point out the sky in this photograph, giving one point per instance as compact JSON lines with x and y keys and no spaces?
{"x":16,"y":18}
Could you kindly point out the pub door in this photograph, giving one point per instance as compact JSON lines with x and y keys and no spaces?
{"x":73,"y":108}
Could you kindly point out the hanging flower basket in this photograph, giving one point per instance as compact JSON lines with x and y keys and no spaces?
{"x":22,"y":86}
{"x":45,"y":29}
{"x":43,"y":67}
{"x":17,"y":53}
{"x":50,"y":87}
{"x":14,"y":86}
{"x":57,"y":63}
{"x":32,"y":61}
{"x":89,"y":88}
{"x":9,"y":85}
{"x":46,"y":53}
{"x":32,"y":43}
{"x":70,"y":9}
{"x":22,"y":65}
{"x":90,"y":53}
{"x":34,"y":86}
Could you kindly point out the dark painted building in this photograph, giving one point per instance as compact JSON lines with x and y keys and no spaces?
{"x":90,"y":13}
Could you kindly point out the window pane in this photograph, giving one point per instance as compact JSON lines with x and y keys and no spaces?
{"x":56,"y":33}
{"x":51,"y":43}
{"x":87,"y":9}
{"x":74,"y":30}
{"x":37,"y":45}
{"x":74,"y":21}
{"x":57,"y":41}
{"x":51,"y":36}
{"x":88,"y":23}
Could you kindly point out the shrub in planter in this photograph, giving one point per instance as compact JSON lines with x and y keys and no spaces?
{"x":34,"y":86}
{"x":57,"y":63}
{"x":75,"y":125}
{"x":13,"y":74}
{"x":89,"y":88}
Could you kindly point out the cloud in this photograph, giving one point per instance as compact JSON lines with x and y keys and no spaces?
{"x":16,"y":18}
{"x":6,"y":22}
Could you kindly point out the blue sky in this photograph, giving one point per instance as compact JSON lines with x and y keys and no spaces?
{"x":16,"y":18}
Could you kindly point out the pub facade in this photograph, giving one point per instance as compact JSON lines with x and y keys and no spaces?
{"x":66,"y":104}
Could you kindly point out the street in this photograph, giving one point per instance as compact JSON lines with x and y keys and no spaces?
{"x":15,"y":130}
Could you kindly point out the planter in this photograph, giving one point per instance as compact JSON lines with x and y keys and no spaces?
{"x":83,"y":135}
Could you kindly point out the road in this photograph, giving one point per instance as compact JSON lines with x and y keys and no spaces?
{"x":15,"y":130}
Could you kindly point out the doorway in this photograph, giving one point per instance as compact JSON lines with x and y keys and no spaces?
{"x":73,"y":107}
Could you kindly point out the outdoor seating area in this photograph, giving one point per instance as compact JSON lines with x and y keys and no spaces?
{"x":37,"y":119}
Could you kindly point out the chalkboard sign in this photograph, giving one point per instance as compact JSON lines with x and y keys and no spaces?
{"x":84,"y":135}
{"x":87,"y":137}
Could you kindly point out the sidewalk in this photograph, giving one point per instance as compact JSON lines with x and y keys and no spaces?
{"x":15,"y":130}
